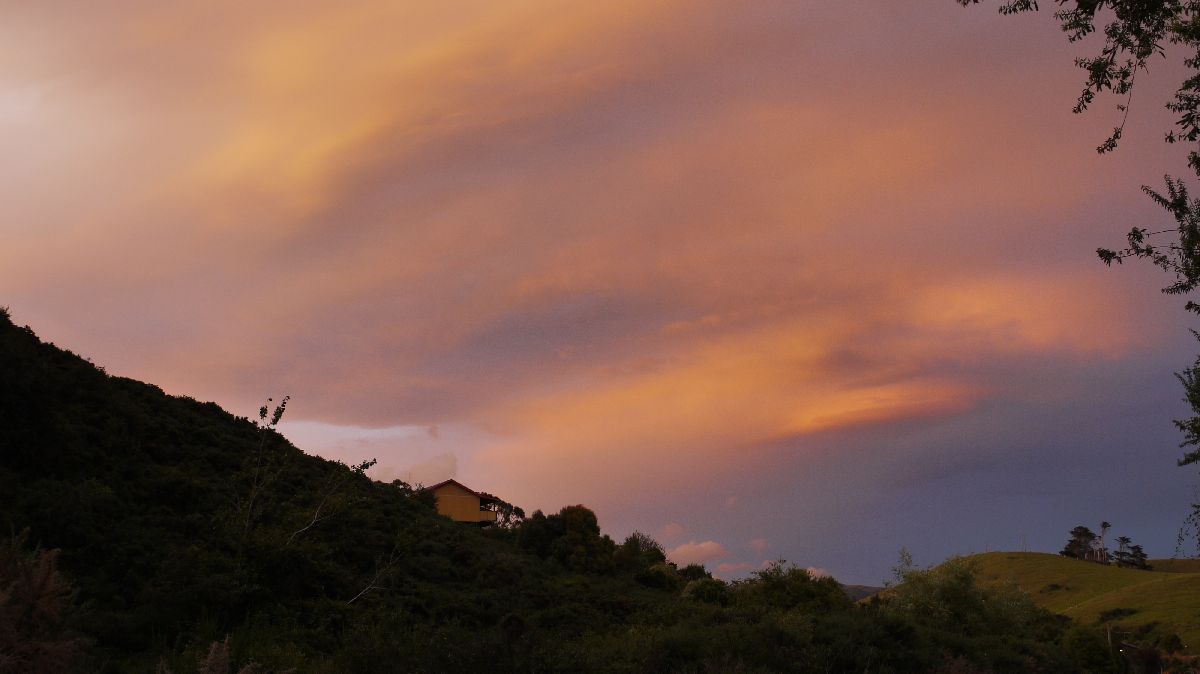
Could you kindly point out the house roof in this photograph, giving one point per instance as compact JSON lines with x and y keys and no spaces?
{"x":443,"y":483}
{"x":483,"y":496}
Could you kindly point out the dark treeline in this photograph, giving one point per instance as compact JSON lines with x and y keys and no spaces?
{"x":147,"y":533}
{"x":1086,"y":545}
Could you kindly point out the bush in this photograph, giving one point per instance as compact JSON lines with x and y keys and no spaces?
{"x":637,"y":553}
{"x":34,"y":604}
{"x":707,"y":590}
{"x":694,"y":572}
{"x":661,"y":576}
{"x":785,"y":586}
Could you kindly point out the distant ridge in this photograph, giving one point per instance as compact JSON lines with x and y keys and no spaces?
{"x":859,"y":592}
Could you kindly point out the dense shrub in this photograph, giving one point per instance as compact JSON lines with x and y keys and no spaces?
{"x":34,"y":604}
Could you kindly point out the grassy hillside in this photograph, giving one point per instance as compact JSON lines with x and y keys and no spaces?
{"x":1176,"y":565}
{"x":1087,"y":591}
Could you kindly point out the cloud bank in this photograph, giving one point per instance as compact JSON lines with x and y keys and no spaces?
{"x":617,"y":253}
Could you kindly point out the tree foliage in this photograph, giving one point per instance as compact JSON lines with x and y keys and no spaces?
{"x":638,"y":552}
{"x":999,"y":622}
{"x":1079,"y":545}
{"x":35,"y":606}
{"x":1085,"y":545}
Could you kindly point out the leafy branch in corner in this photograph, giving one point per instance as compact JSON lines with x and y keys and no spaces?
{"x":1134,"y":32}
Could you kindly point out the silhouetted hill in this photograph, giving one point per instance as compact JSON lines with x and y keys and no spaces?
{"x":187,"y":531}
{"x":145,"y":494}
{"x":859,"y":592}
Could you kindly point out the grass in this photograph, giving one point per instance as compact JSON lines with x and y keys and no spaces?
{"x":1085,"y":591}
{"x":1176,"y":565}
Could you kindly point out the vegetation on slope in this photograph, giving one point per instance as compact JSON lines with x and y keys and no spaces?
{"x":1153,"y":604}
{"x":1176,"y":565}
{"x":180,"y":526}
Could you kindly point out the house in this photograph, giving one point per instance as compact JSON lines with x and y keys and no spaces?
{"x":461,"y":504}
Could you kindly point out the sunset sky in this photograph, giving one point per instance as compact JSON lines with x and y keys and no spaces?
{"x":784,"y":279}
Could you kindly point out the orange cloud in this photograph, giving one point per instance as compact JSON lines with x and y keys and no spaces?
{"x":632,"y":241}
{"x":697,"y":553}
{"x":671,"y":532}
{"x":730,"y":569}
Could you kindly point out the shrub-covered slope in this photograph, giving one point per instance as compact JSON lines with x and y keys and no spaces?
{"x":177,"y":525}
{"x":180,"y":525}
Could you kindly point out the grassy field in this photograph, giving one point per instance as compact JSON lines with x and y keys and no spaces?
{"x":1176,"y":565}
{"x":1084,"y":590}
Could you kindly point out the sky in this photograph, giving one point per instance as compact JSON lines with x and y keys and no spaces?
{"x":792,"y":280}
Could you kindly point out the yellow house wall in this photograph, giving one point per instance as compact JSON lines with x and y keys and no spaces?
{"x":459,"y":504}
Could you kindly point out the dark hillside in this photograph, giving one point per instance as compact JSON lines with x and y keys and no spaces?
{"x":180,"y":525}
{"x":142,"y":493}
{"x":860,"y":592}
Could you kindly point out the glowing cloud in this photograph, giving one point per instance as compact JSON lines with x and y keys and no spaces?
{"x":671,"y":532}
{"x":603,"y":253}
{"x":730,"y":569}
{"x":697,"y":553}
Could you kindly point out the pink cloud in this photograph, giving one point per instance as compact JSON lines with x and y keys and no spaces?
{"x":728,"y":569}
{"x":759,"y":545}
{"x":629,"y":236}
{"x":697,"y":553}
{"x":671,"y":532}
